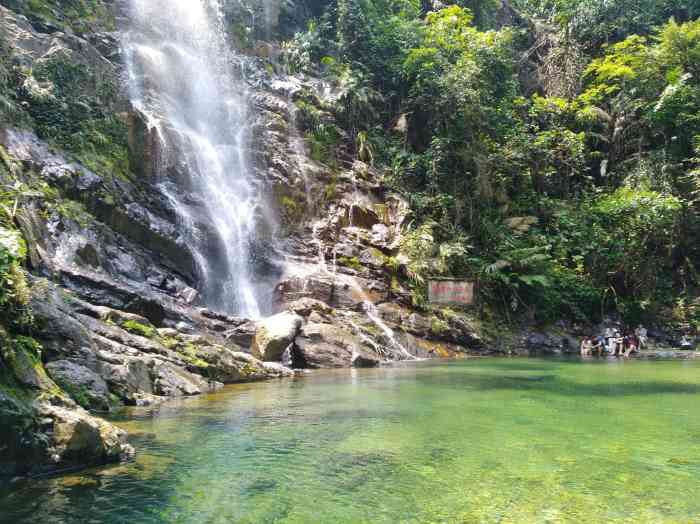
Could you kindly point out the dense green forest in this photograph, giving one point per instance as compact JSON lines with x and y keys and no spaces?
{"x":550,"y":149}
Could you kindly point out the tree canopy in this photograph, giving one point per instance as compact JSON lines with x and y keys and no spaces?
{"x":549,"y":148}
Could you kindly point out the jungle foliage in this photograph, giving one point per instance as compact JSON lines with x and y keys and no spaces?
{"x":79,"y":16}
{"x":549,"y":148}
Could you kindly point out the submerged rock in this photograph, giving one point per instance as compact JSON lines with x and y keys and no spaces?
{"x":277,"y":370}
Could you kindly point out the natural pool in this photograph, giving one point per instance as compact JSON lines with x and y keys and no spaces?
{"x":483,"y":440}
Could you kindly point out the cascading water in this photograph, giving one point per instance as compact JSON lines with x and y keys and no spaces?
{"x":396,"y":351}
{"x":373,"y":315}
{"x":181,"y":77}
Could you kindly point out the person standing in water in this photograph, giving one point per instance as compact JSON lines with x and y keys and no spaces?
{"x":619,"y":344}
{"x":608,"y":338}
{"x":631,"y":344}
{"x":586,"y":346}
{"x":598,"y":345}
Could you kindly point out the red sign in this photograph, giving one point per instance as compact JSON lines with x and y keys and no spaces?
{"x":458,"y":292}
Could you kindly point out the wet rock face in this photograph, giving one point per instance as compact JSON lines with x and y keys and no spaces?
{"x":34,"y":47}
{"x":334,"y":290}
{"x":22,"y":445}
{"x":543,"y":343}
{"x":109,"y":247}
{"x":145,"y":145}
{"x":345,"y":249}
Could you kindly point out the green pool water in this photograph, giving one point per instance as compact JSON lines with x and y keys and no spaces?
{"x":483,"y":440}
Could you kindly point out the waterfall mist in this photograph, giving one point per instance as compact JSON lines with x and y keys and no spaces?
{"x":181,"y":77}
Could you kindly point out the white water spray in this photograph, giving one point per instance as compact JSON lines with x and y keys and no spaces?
{"x":181,"y":77}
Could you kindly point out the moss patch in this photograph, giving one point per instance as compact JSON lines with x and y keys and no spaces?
{"x":140,"y":329}
{"x":291,"y":206}
{"x":331,"y":190}
{"x":78,"y":393}
{"x":351,"y":262}
{"x":14,"y":290}
{"x":438,"y":326}
{"x":186,"y":349}
{"x":189,"y":353}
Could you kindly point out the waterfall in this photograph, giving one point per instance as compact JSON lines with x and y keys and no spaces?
{"x":372,"y":313}
{"x":181,"y":76}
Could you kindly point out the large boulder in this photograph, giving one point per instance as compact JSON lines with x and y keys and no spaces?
{"x":80,"y":439}
{"x":84,"y":385}
{"x":343,"y":291}
{"x":42,"y":429}
{"x":305,"y":306}
{"x":230,"y":367}
{"x":133,"y":378}
{"x":543,"y":343}
{"x":171,"y":380}
{"x":323,"y":345}
{"x":318,"y":286}
{"x":242,"y":335}
{"x":37,"y":436}
{"x":128,"y":377}
{"x":274,"y":335}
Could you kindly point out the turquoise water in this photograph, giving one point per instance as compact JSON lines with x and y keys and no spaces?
{"x":483,"y":440}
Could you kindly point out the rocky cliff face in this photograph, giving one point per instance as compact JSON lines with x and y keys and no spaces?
{"x":111,"y":283}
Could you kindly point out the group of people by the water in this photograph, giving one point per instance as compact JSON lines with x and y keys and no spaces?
{"x":614,"y":342}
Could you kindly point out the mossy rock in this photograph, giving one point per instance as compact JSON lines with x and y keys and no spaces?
{"x":23,"y":360}
{"x":79,"y":16}
{"x":438,"y":326}
{"x":140,"y":328}
{"x":351,"y":262}
{"x":291,"y":206}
